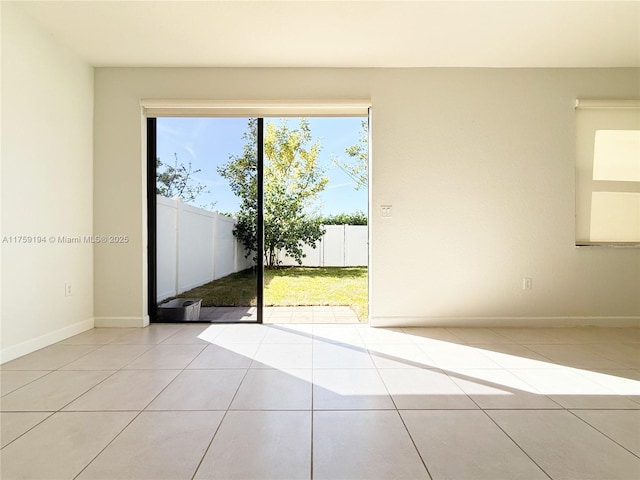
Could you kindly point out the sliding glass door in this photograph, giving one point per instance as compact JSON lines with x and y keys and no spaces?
{"x":254,"y":220}
{"x":205,"y":219}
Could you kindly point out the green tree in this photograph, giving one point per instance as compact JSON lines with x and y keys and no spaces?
{"x":292,"y":182}
{"x":358,"y":167}
{"x":177,"y":181}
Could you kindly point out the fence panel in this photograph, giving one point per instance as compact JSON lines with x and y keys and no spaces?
{"x":167,"y":247}
{"x":356,"y":245}
{"x":195,"y":246}
{"x":340,"y":246}
{"x":333,"y":246}
{"x":224,"y":247}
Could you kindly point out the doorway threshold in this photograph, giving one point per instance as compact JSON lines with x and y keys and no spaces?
{"x":292,"y":314}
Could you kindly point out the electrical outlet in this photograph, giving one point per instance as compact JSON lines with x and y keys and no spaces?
{"x":67,"y":290}
{"x":385,"y":211}
{"x":527,"y":283}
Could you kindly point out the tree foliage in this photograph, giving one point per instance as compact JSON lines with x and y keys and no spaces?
{"x":176,"y":180}
{"x":355,"y":218}
{"x":292,"y":182}
{"x":358,"y":166}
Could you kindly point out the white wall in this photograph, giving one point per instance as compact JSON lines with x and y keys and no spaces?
{"x":47,"y":187}
{"x":478,"y":165}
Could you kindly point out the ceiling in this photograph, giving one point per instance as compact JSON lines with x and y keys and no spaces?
{"x":328,"y":33}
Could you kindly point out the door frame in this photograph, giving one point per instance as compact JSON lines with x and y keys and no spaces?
{"x":154,"y":108}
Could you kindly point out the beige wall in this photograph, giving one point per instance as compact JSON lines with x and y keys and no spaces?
{"x":47,"y":187}
{"x":477,"y":163}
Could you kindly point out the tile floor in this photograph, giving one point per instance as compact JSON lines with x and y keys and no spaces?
{"x":300,"y":401}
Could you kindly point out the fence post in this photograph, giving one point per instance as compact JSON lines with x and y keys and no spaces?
{"x":214,"y":240}
{"x":178,"y":203}
{"x":344,"y":245}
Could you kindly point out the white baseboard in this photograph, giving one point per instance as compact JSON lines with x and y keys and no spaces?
{"x":528,"y":322}
{"x":101,"y":322}
{"x":15,"y":351}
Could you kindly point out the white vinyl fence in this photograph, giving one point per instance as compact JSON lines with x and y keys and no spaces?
{"x":340,"y":246}
{"x":196,"y":246}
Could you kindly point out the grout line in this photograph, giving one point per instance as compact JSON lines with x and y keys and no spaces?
{"x":516,"y":443}
{"x":109,"y":443}
{"x":28,"y":383}
{"x":424,"y":463}
{"x":224,"y":416}
{"x":28,"y":430}
{"x":601,"y":432}
{"x":386,"y":388}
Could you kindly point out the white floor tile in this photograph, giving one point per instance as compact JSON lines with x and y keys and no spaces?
{"x":466,"y":444}
{"x":274,"y":389}
{"x":167,"y":356}
{"x":348,"y":389}
{"x":515,"y":356}
{"x":624,"y":354}
{"x":62,"y":445}
{"x":260,"y":445}
{"x":53,"y":391}
{"x":532,"y":335}
{"x":290,"y":355}
{"x":385,"y":335}
{"x":124,"y":390}
{"x":97,"y":336}
{"x":241,"y":334}
{"x":237,"y":355}
{"x":451,"y":356}
{"x":341,"y":355}
{"x":279,"y":334}
{"x":49,"y":358}
{"x":367,"y":445}
{"x":619,"y":381}
{"x":108,"y":357}
{"x":565,"y":447}
{"x":151,"y":335}
{"x":493,"y":388}
{"x":155,"y":446}
{"x":347,"y":334}
{"x":431,"y":335}
{"x":479,"y":336}
{"x":11,"y":380}
{"x":571,"y":389}
{"x":190,"y":334}
{"x":577,"y":356}
{"x":199,"y":390}
{"x":396,"y":355}
{"x":622,"y":426}
{"x":424,"y":389}
{"x":14,"y":424}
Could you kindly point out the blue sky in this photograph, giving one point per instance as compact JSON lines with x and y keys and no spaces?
{"x":208,"y":142}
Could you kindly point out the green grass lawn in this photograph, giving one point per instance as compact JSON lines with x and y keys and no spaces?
{"x":289,"y":287}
